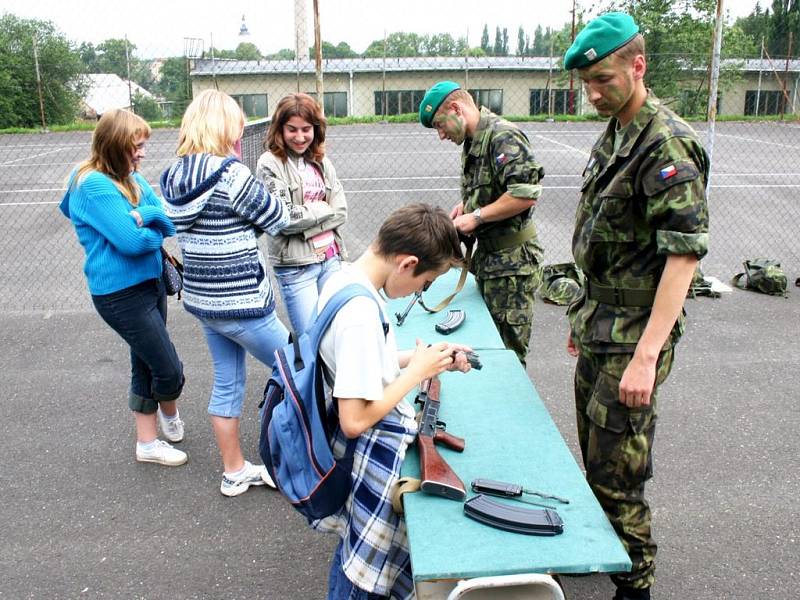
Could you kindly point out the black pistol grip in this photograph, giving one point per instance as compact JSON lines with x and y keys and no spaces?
{"x":531,"y":521}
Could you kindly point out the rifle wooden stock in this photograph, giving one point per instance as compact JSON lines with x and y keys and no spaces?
{"x":437,"y":476}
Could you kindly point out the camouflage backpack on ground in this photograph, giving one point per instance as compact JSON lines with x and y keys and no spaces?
{"x":762,"y":275}
{"x":700,"y":286}
{"x":561,"y":283}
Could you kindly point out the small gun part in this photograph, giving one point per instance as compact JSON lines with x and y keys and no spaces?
{"x":402,"y":317}
{"x":509,"y":490}
{"x":474,"y":360}
{"x":532,"y":521}
{"x":452,"y":321}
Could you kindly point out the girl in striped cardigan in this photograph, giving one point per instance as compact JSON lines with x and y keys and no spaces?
{"x":219,"y":209}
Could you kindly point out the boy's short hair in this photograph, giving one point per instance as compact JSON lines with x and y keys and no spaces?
{"x":424,"y":231}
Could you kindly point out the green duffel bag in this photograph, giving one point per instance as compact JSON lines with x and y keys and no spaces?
{"x":762,"y":275}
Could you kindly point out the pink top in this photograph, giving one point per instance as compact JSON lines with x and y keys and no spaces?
{"x":314,"y":191}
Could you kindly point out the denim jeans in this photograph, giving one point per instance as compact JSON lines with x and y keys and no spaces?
{"x":340,"y":587}
{"x":229,"y":341}
{"x":139,"y":315}
{"x":300,"y":289}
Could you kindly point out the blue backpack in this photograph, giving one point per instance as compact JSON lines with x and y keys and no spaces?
{"x":296,"y":429}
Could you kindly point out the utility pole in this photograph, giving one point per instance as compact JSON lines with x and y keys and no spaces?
{"x":571,"y":107}
{"x":128,"y":70}
{"x":785,"y":98}
{"x":39,"y":83}
{"x":318,"y":58}
{"x":712,"y":91}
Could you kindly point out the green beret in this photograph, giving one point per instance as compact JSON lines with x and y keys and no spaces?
{"x":602,"y":36}
{"x":433,"y":100}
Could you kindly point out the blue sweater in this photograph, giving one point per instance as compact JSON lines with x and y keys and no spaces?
{"x":118,"y":253}
{"x":219,"y":210}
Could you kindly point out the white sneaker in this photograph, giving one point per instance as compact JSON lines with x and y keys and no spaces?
{"x":171,"y":428}
{"x":161,"y":453}
{"x":252,"y":475}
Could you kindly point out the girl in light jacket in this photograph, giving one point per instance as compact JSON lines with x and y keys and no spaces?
{"x":296,"y":170}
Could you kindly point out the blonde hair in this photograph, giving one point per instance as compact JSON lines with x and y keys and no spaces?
{"x":462,"y":95}
{"x":113,"y":144}
{"x":212,"y":123}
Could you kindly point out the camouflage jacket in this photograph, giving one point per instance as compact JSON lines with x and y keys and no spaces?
{"x":638,"y":205}
{"x":496,"y":160}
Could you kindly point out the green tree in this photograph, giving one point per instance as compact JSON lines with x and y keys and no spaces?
{"x":397,"y":44}
{"x":247,"y":51}
{"x":173,"y":84}
{"x":497,"y":50}
{"x":520,"y":41}
{"x":341,"y":50}
{"x":59,"y":67}
{"x":774,"y":26}
{"x":485,"y":40}
{"x":146,"y":107}
{"x":282,"y":54}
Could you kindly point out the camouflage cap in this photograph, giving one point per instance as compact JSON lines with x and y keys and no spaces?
{"x":561,"y":283}
{"x":606,"y":34}
{"x":433,"y":100}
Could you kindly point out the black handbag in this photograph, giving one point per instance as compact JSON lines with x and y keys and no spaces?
{"x":171,"y":274}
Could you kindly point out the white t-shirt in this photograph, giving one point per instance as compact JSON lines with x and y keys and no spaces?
{"x":360,"y":360}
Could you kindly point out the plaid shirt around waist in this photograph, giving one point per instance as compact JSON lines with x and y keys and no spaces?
{"x":375,"y":554}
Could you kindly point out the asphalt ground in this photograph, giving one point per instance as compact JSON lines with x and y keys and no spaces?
{"x":81,"y":519}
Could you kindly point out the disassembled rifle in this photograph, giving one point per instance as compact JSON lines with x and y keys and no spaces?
{"x":401,"y":318}
{"x":437,"y":476}
{"x":510,"y":490}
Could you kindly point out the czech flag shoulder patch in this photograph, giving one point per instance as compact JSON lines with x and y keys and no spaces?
{"x":668,"y":172}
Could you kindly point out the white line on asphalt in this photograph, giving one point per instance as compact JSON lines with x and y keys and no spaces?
{"x":578,"y":150}
{"x":745,"y":139}
{"x":27,"y":157}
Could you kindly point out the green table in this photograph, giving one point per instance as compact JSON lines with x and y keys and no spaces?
{"x":509,"y":436}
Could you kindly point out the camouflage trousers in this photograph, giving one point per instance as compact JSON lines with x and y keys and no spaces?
{"x":510,"y":302}
{"x":616,"y":444}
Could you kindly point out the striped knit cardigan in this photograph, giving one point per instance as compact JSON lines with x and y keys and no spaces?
{"x":219,"y":209}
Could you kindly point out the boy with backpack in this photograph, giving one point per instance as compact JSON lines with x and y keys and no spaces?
{"x":415,"y":245}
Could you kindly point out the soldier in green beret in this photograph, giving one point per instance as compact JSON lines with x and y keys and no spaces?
{"x":499,"y":189}
{"x":641,"y":227}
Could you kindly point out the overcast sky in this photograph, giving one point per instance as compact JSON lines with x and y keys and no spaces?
{"x":158,"y":27}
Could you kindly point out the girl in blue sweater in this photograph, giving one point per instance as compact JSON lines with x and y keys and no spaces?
{"x":219,"y":210}
{"x":121,"y":225}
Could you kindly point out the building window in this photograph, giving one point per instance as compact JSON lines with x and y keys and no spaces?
{"x":769,"y":103}
{"x":491,"y":99}
{"x":540,"y":102}
{"x":398,"y":102}
{"x":334,"y":103}
{"x":253,"y":105}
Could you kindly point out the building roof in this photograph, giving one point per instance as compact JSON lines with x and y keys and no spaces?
{"x":206,"y":67}
{"x":221,"y":67}
{"x":108,"y":90}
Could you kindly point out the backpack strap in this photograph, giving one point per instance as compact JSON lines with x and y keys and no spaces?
{"x":322,"y":321}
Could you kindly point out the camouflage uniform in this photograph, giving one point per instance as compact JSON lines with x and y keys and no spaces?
{"x":639,"y":203}
{"x":496,"y":160}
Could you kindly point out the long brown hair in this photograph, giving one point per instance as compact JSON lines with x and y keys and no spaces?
{"x":113,"y":144}
{"x":305,"y":107}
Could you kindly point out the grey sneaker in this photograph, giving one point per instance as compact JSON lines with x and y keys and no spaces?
{"x":253,"y":475}
{"x":171,"y":428}
{"x":162,"y":453}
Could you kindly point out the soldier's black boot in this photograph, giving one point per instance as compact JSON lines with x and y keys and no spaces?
{"x":627,"y":593}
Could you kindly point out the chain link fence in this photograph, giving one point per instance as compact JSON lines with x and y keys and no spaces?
{"x":386,"y":159}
